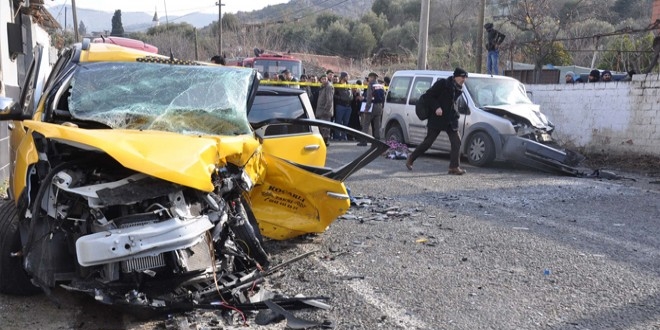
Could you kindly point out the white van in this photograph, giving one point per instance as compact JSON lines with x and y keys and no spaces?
{"x":498,"y":122}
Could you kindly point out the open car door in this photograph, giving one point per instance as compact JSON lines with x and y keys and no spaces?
{"x":23,"y":155}
{"x":296,"y":199}
{"x":299,"y":143}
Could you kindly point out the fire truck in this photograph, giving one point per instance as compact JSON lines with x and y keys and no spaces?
{"x":272,"y":63}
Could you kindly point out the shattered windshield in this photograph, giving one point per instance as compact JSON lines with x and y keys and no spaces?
{"x":494,"y":92}
{"x":184,"y":99}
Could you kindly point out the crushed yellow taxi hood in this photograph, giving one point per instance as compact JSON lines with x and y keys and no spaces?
{"x":183,"y":159}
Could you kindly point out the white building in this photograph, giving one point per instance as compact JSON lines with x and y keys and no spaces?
{"x":27,"y":24}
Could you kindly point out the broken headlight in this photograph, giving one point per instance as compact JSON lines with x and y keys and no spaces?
{"x":524,"y":130}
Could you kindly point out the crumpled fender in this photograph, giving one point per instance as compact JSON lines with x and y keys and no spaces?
{"x":183,"y":159}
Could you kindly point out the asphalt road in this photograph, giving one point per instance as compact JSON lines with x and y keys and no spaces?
{"x":498,"y":248}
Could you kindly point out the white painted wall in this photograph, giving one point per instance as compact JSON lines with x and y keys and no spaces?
{"x":8,"y":72}
{"x":616,"y":117}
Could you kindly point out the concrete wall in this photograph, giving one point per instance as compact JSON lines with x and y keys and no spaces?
{"x":616,"y":117}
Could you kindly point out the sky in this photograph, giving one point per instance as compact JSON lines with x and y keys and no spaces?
{"x":174,"y":7}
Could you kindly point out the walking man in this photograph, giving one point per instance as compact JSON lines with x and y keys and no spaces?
{"x":495,"y":39}
{"x":444,"y":117}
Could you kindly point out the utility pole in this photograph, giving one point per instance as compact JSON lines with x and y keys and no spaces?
{"x":219,"y":4}
{"x":75,"y":20}
{"x":480,"y":35}
{"x":423,"y":35}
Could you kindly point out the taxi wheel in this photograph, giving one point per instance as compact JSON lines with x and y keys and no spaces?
{"x":480,"y":149}
{"x":13,"y":278}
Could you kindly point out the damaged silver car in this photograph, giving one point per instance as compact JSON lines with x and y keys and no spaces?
{"x":498,"y":122}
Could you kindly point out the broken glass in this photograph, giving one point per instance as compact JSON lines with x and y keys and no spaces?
{"x":186,"y":99}
{"x":495,"y":92}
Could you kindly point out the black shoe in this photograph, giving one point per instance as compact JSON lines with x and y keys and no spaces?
{"x":362,"y":144}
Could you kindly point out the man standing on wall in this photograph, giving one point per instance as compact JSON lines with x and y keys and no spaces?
{"x":495,"y":39}
{"x":444,"y":117}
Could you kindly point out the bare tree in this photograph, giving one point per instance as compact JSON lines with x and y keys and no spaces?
{"x":450,"y":13}
{"x":539,"y":21}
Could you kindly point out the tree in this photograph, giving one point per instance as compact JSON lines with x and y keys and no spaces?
{"x":450,"y":12}
{"x":362,"y":41}
{"x":381,"y":7}
{"x":117,"y":27}
{"x":580,"y":45}
{"x":334,"y":41}
{"x":230,"y":22}
{"x":628,"y":52}
{"x":632,"y":9}
{"x":323,"y":21}
{"x":402,"y":39}
{"x":540,"y":24}
{"x":376,"y":23}
{"x":82,"y":29}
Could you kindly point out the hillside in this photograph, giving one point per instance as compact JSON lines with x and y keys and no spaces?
{"x":100,"y":21}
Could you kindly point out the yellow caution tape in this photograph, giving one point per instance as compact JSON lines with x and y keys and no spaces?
{"x":311,"y":84}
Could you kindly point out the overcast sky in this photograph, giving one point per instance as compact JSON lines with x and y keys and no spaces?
{"x":174,"y":7}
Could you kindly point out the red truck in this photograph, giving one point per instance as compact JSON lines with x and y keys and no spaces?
{"x":272,"y":63}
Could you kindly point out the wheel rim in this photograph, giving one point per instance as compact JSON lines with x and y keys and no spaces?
{"x":395,"y":135}
{"x":477,"y":149}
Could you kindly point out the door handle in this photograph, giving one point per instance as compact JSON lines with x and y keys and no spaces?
{"x":10,"y":126}
{"x":312,"y":147}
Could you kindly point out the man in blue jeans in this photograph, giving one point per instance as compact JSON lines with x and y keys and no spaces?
{"x":494,"y":40}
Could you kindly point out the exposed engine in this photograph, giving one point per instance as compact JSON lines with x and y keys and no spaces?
{"x":108,"y":231}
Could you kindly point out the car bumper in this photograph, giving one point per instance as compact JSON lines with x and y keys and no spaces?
{"x":540,"y":156}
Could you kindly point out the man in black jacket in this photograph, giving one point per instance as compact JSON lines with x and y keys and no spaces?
{"x":495,"y":39}
{"x":443,"y":96}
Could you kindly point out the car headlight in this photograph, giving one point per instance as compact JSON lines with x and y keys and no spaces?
{"x":524,"y":130}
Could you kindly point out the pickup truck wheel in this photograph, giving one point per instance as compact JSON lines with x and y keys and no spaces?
{"x":13,"y":278}
{"x":394,"y":133}
{"x":480,"y":149}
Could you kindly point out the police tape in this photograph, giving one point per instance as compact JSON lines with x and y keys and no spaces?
{"x":311,"y":84}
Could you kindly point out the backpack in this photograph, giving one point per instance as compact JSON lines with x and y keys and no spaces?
{"x":379,"y":94}
{"x":422,"y":108}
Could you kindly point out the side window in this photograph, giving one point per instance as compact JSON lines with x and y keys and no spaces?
{"x":279,"y":106}
{"x":398,"y":90}
{"x":419,"y":87}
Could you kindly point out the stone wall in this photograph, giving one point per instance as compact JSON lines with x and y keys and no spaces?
{"x":616,"y":117}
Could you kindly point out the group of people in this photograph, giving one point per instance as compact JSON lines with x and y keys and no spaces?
{"x":342,"y":102}
{"x":595,"y":76}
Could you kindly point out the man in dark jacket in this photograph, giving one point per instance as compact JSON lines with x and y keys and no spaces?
{"x":444,"y":117}
{"x":494,"y":40}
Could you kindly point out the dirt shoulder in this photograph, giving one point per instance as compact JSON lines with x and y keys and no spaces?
{"x":642,"y":171}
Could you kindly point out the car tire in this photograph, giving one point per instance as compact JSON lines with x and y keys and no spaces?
{"x":480,"y":149}
{"x":394,"y":133}
{"x":13,"y":278}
